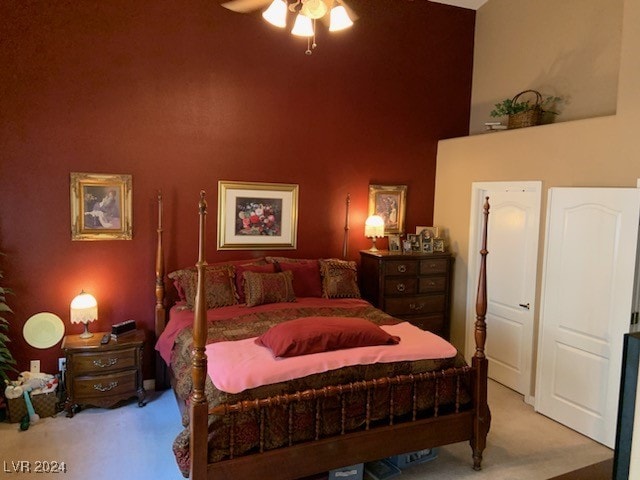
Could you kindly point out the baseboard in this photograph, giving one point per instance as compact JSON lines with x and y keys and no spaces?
{"x":530,"y":400}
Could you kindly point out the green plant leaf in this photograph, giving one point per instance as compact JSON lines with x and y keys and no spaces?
{"x":5,"y":308}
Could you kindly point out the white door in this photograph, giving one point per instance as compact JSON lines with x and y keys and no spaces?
{"x":588,"y":277}
{"x":514,"y":222}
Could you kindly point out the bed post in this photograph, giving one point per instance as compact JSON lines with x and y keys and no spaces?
{"x":161,"y":314}
{"x":345,"y":241}
{"x":482,"y":418}
{"x":199,"y":408}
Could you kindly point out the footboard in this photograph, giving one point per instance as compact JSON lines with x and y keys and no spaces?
{"x":404,"y":426}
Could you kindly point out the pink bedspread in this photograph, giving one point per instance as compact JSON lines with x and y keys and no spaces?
{"x":180,"y":317}
{"x":240,"y":365}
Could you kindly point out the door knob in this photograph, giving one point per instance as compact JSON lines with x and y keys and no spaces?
{"x":524,"y":305}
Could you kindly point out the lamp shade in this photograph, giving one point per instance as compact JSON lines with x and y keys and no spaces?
{"x":374,"y":226}
{"x":276,"y":14}
{"x":303,"y":27}
{"x":84,"y":308}
{"x":339,"y":19}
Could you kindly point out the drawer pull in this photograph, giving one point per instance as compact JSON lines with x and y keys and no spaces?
{"x":402,"y":268}
{"x":100,"y":388}
{"x":432,"y":283}
{"x":111,"y":362}
{"x":418,"y":306}
{"x":433,"y":265}
{"x":400,"y":287}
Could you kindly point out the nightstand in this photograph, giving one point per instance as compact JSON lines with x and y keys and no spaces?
{"x":103,"y":375}
{"x":410,"y":286}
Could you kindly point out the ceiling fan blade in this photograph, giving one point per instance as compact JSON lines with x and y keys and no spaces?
{"x":244,"y":6}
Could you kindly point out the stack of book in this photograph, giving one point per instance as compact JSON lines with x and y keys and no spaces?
{"x":492,"y":126}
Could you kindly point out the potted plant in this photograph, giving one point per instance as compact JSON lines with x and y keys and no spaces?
{"x":7,"y":361}
{"x":524,"y":113}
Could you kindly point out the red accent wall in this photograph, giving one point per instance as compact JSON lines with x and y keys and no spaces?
{"x":183,"y":94}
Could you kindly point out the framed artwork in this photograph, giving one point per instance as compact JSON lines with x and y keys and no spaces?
{"x":389,"y":201}
{"x":100,"y":206}
{"x":438,"y":245}
{"x":257,"y":216}
{"x":426,"y":244}
{"x":414,"y":240}
{"x":394,"y":243}
{"x":428,"y":232}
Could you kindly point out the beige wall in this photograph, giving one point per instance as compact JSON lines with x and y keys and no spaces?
{"x":565,"y":48}
{"x":603,"y":151}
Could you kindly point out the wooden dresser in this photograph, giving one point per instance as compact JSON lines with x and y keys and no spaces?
{"x":412,"y":286}
{"x":103,"y":375}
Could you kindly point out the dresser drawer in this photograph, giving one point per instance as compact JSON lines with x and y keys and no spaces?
{"x":401,"y":267}
{"x":433,"y":265}
{"x":419,"y":304}
{"x":400,"y":286}
{"x":101,"y":362}
{"x":432,"y":284}
{"x":431,"y":323}
{"x":105,"y":385}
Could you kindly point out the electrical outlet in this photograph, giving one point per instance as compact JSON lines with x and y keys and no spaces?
{"x":62,"y":364}
{"x":35,"y":366}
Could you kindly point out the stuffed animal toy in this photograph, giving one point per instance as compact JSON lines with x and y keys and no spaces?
{"x":28,"y":383}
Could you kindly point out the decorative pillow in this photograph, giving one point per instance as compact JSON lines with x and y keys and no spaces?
{"x":308,"y":335}
{"x":306,"y":278}
{"x":260,"y":288}
{"x":339,"y":278}
{"x":240,"y":269}
{"x":288,"y":260}
{"x":219,"y":285}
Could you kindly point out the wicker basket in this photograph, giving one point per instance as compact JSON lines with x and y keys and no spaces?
{"x":531,"y":117}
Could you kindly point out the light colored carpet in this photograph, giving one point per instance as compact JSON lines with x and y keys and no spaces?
{"x":135,"y":443}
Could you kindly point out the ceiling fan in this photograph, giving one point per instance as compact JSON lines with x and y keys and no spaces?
{"x":335,"y":13}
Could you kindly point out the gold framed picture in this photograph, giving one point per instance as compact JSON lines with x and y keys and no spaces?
{"x":257,"y":216}
{"x":100,"y":206}
{"x":389,"y":201}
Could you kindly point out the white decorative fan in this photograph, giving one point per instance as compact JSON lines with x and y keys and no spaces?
{"x":335,"y":13}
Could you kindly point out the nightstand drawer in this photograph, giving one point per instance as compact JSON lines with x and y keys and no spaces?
{"x":401,"y":267}
{"x":415,"y":305}
{"x":433,"y":265}
{"x":102,"y":385}
{"x":400,"y":286}
{"x":432,"y":284}
{"x":105,"y":361}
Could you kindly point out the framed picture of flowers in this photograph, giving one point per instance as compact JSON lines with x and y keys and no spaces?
{"x":100,"y":206}
{"x":257,"y":216}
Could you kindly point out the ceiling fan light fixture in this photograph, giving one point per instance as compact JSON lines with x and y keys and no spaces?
{"x":339,"y":19}
{"x":302,"y":27}
{"x":276,"y":14}
{"x":314,"y":9}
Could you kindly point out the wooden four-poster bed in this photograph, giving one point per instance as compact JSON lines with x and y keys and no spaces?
{"x":306,"y":426}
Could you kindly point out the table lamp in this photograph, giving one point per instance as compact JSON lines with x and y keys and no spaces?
{"x":374,"y":228}
{"x":84,"y":309}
